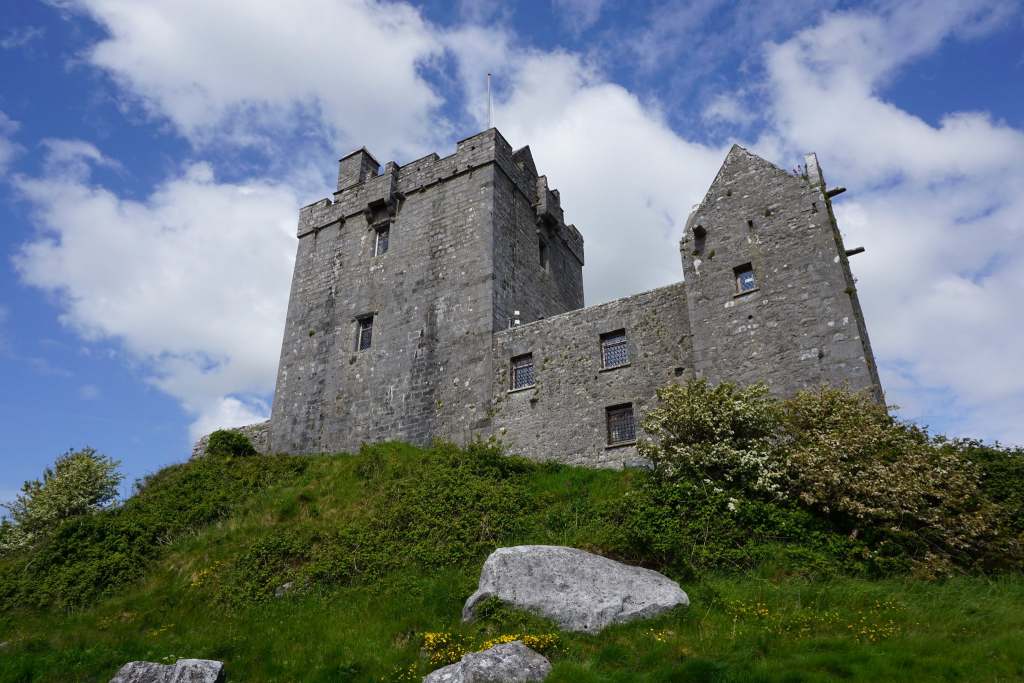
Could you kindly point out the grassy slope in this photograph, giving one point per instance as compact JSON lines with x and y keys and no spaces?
{"x":364,"y":623}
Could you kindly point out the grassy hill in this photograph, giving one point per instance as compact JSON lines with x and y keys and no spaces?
{"x":381,"y":549}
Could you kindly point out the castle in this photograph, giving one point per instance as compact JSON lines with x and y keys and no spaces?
{"x":444,"y":299}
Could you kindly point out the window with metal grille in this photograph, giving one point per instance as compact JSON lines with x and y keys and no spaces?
{"x":621,"y":425}
{"x":381,"y":245}
{"x":364,"y":335}
{"x":614,"y":350}
{"x":745,"y":280}
{"x":521,"y":375}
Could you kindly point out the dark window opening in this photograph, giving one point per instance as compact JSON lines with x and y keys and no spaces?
{"x":621,"y":425}
{"x":380,"y":246}
{"x":614,"y":349}
{"x":364,"y":336}
{"x":521,"y":375}
{"x":700,"y":235}
{"x":543,"y":250}
{"x":745,"y":281}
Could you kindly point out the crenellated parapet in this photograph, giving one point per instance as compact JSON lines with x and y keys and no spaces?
{"x":364,"y":189}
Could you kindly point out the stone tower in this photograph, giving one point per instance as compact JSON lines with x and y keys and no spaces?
{"x":769,"y":290}
{"x":401,"y":279}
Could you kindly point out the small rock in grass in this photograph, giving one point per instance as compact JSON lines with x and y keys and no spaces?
{"x":506,"y":663}
{"x":182,"y":671}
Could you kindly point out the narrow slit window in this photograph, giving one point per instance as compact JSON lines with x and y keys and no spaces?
{"x":380,"y":246}
{"x":745,"y":280}
{"x":521,"y":375}
{"x":614,"y":349}
{"x":364,"y":334}
{"x":621,"y":424}
{"x":542,"y":248}
{"x":700,"y":235}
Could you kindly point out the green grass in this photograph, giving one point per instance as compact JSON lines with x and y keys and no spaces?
{"x":387,"y":545}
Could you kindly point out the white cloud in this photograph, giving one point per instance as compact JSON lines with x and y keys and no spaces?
{"x":229,"y":411}
{"x":937,"y":207}
{"x":193,"y":279}
{"x":579,"y":15}
{"x":727,"y":108}
{"x":21,"y":36}
{"x":8,"y":148}
{"x":348,"y":70}
{"x":73,"y":158}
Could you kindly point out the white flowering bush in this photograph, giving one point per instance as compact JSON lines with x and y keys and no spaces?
{"x":80,"y":482}
{"x":726,"y":434}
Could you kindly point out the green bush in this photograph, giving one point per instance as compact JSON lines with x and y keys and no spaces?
{"x":80,"y":482}
{"x":690,"y":527}
{"x":850,"y":461}
{"x":911,"y":499}
{"x":93,"y":555}
{"x":229,"y":443}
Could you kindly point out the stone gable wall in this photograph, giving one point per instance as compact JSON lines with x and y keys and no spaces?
{"x":801,"y":327}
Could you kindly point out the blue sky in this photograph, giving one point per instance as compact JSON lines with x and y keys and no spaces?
{"x":153,"y":156}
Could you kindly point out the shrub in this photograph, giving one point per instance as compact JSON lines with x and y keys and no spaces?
{"x":80,"y":482}
{"x":724,"y":434}
{"x":689,"y":527}
{"x":229,"y":443}
{"x":849,"y":460}
{"x":92,"y":555}
{"x":911,"y":498}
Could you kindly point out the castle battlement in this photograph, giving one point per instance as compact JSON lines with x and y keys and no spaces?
{"x":443,"y":298}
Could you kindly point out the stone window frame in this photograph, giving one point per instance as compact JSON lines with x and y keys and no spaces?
{"x":381,"y":230}
{"x":620,"y":412}
{"x":543,"y":253}
{"x":522,"y":362}
{"x":364,"y":331}
{"x":614,"y":340}
{"x":738,"y":273}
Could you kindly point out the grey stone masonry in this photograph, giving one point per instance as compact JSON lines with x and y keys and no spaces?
{"x":563,"y":416}
{"x":258,"y":435}
{"x":800,"y":324}
{"x":463,"y":251}
{"x":418,"y":287}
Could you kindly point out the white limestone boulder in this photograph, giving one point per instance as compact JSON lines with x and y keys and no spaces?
{"x":578,"y":590}
{"x":506,"y":663}
{"x":182,"y":671}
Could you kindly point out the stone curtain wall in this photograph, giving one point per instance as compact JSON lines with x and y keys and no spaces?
{"x":258,"y":434}
{"x":562,"y":417}
{"x":802,"y":326}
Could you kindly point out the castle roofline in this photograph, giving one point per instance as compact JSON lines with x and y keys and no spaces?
{"x":482,"y":132}
{"x":361,"y":150}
